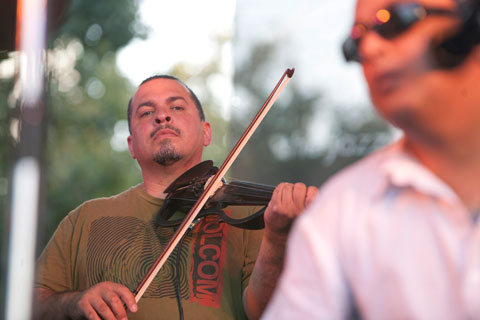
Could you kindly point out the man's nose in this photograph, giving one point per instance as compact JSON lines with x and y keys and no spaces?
{"x":162,"y":117}
{"x":371,"y":46}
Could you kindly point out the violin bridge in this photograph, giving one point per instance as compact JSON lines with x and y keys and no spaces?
{"x":215,"y":187}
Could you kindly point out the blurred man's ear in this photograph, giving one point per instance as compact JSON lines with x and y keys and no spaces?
{"x":454,"y":50}
{"x":476,"y":53}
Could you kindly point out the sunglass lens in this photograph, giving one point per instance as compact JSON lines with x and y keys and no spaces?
{"x":398,"y":19}
{"x":350,"y":50}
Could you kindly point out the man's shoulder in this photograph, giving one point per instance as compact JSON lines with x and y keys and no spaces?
{"x":353,"y":189}
{"x":365,"y":171}
{"x":106,"y":205}
{"x":109,"y":200}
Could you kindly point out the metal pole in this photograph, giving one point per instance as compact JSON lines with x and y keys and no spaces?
{"x":25,"y":197}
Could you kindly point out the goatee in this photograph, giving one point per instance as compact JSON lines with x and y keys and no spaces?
{"x":167,"y":155}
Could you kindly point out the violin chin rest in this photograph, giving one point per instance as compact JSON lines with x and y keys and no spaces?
{"x":199,"y":170}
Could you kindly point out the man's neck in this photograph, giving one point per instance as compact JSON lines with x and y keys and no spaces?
{"x":156,"y":178}
{"x":457,"y":164}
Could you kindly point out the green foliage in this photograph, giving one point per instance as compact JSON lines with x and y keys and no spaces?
{"x":81,"y":163}
{"x":116,"y":18}
{"x":86,"y":97}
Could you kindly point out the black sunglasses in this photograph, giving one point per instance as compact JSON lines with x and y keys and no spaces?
{"x":389,"y":23}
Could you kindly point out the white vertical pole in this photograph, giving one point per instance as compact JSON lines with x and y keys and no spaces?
{"x":27,"y":171}
{"x":32,"y":45}
{"x":23,"y":230}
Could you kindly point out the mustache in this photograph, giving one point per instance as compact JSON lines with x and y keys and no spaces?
{"x":167,"y":126}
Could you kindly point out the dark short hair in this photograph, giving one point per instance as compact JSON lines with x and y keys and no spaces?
{"x":194,"y":97}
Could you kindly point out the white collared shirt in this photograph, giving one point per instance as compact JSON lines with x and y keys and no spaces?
{"x":386,"y":239}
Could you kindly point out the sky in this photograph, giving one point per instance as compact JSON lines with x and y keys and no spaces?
{"x":180,"y":30}
{"x":313,"y":30}
{"x":308,"y":33}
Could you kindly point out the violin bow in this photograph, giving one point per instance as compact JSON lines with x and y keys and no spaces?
{"x":212,"y":185}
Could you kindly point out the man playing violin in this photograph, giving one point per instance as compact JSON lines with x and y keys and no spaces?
{"x":103,"y":248}
{"x":397,"y":236}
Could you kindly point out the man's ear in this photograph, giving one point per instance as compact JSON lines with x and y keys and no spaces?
{"x":207,"y":133}
{"x":130,"y":147}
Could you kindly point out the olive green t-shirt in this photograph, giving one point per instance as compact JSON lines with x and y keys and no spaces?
{"x":116,"y":239}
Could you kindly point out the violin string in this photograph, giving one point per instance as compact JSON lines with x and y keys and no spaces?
{"x":259,"y":200}
{"x":256,"y":192}
{"x":244,"y":189}
{"x":248,"y":189}
{"x":252,"y":185}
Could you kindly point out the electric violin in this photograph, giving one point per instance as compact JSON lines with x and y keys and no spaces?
{"x":185,"y":190}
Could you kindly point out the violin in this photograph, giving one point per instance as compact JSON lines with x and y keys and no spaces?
{"x":185,"y":190}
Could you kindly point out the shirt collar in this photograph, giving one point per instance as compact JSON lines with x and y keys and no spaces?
{"x":403,"y":170}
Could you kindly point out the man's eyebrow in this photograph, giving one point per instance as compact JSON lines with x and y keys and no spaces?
{"x":148,"y":103}
{"x":174,"y":98}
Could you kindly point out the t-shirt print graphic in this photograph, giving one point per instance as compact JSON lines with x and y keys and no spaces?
{"x":123,"y":249}
{"x":208,"y":258}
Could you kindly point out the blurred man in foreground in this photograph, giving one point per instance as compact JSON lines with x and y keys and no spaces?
{"x":396,"y":236}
